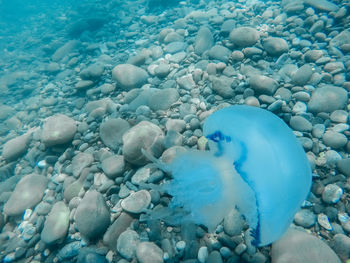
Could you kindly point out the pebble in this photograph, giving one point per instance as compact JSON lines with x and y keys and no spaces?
{"x":332,"y":194}
{"x":58,"y":129}
{"x":113,"y":166}
{"x":148,"y":252}
{"x":127,"y":244}
{"x":263,"y":84}
{"x":27,"y":193}
{"x":305,"y":218}
{"x":137,"y":202}
{"x":334,"y":139}
{"x":92,"y":217}
{"x":56,"y":224}
{"x":129,"y":76}
{"x":302,"y":75}
{"x":301,"y":247}
{"x":112,"y":130}
{"x":299,"y":123}
{"x":319,"y":101}
{"x":275,"y":46}
{"x":16,"y":147}
{"x":323,"y":220}
{"x":204,"y":40}
{"x":341,"y":246}
{"x":203,"y":254}
{"x":233,"y":223}
{"x":244,"y":36}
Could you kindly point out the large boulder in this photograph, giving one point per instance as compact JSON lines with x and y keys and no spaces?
{"x":144,"y":135}
{"x":129,"y":76}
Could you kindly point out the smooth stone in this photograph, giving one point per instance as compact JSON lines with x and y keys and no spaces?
{"x":69,"y":251}
{"x":322,"y":5}
{"x":318,"y":130}
{"x":56,"y":224}
{"x":336,"y":66}
{"x":84,"y":84}
{"x":233,"y":223}
{"x":111,"y":132}
{"x":112,"y":234}
{"x":90,"y":255}
{"x":332,"y":194}
{"x":323,"y":221}
{"x":320,"y":101}
{"x":127,"y":244}
{"x":341,"y":245}
{"x":244,"y":36}
{"x":175,"y":47}
{"x":27,"y":193}
{"x":302,"y":75}
{"x":16,"y":147}
{"x":341,"y":116}
{"x":129,"y":76}
{"x":335,"y":140}
{"x":223,"y":86}
{"x":186,"y":82}
{"x":145,"y":135}
{"x":341,"y":39}
{"x":344,"y":166}
{"x":65,"y":50}
{"x":219,"y":53}
{"x":204,"y":40}
{"x":313,"y":55}
{"x":275,"y":46}
{"x":92,"y":72}
{"x":215,"y":257}
{"x":176,"y":125}
{"x":137,"y":202}
{"x":162,"y":70}
{"x":81,"y":161}
{"x":58,"y":129}
{"x":202,"y":254}
{"x":148,"y":252}
{"x":113,"y":166}
{"x":263,"y":84}
{"x":299,"y":107}
{"x":305,"y":218}
{"x":155,"y":99}
{"x":92,"y":217}
{"x":300,"y":247}
{"x":299,"y":123}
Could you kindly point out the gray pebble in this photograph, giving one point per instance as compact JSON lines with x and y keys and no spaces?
{"x":137,"y":202}
{"x":332,"y":194}
{"x":127,"y":244}
{"x":335,"y":140}
{"x":305,"y":218}
{"x":148,"y":252}
{"x":299,"y":123}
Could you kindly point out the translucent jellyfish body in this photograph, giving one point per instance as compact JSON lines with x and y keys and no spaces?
{"x":255,"y":164}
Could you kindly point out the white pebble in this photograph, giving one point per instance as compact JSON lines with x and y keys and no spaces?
{"x":202,"y":254}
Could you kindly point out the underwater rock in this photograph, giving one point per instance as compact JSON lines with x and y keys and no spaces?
{"x":129,"y":76}
{"x":148,"y":252}
{"x":204,"y":40}
{"x":112,"y":130}
{"x":144,"y":135}
{"x":275,"y":46}
{"x":14,"y":148}
{"x":244,"y":36}
{"x":28,"y":192}
{"x":92,"y":216}
{"x":58,"y":129}
{"x":299,"y":247}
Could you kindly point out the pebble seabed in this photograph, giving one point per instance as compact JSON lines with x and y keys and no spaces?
{"x":83,"y":88}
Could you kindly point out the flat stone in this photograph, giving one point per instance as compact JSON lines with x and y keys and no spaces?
{"x":137,"y":202}
{"x":322,"y":5}
{"x":302,"y":75}
{"x":344,"y":166}
{"x":111,"y":132}
{"x":56,"y":224}
{"x":112,"y":234}
{"x":129,"y":76}
{"x":92,"y":217}
{"x":300,"y":247}
{"x":204,"y":40}
{"x":275,"y":46}
{"x":113,"y":166}
{"x":341,"y":116}
{"x":299,"y":123}
{"x":233,"y":223}
{"x":332,"y":194}
{"x":144,"y":135}
{"x":16,"y":147}
{"x":219,"y":53}
{"x":335,"y":140}
{"x":263,"y":84}
{"x":320,"y":101}
{"x":27,"y":193}
{"x":58,"y":129}
{"x":305,"y":218}
{"x":148,"y":252}
{"x":127,"y":244}
{"x":244,"y":36}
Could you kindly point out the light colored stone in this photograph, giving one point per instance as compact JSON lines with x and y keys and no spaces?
{"x":129,"y":76}
{"x":137,"y":202}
